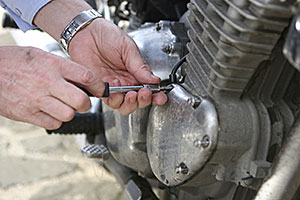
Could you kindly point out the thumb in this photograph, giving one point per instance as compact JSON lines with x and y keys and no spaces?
{"x":144,"y":74}
{"x":136,"y":65}
{"x":83,"y":78}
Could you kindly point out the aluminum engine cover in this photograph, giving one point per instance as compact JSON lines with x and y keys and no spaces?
{"x":181,"y":136}
{"x":162,"y":45}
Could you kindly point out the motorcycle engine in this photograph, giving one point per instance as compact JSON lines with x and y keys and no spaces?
{"x":235,"y":104}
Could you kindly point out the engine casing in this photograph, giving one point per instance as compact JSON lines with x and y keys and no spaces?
{"x":238,"y":99}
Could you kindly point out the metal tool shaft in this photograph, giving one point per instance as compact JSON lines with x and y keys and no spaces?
{"x":153,"y":88}
{"x":122,"y":89}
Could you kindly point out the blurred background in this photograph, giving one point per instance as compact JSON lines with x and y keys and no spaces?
{"x":37,"y":166}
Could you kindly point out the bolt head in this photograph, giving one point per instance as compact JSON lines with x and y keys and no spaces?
{"x":191,"y":101}
{"x":198,"y":143}
{"x":181,"y":169}
{"x":204,"y":142}
{"x":158,"y":26}
{"x":194,"y":102}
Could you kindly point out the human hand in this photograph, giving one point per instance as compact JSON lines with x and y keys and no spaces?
{"x":36,"y":87}
{"x":114,"y":57}
{"x":106,"y":50}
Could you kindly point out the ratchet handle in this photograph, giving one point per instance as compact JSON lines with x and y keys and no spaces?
{"x":105,"y":93}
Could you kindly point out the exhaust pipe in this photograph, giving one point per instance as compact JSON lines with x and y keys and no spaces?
{"x":283,"y":179}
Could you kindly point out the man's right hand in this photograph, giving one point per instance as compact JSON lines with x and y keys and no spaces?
{"x":38,"y":87}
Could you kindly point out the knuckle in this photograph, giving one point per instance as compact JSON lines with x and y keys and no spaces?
{"x":54,"y":62}
{"x":88,"y":77}
{"x":146,"y":67}
{"x":20,"y":110}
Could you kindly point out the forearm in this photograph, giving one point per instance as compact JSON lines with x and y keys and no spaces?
{"x":56,"y":15}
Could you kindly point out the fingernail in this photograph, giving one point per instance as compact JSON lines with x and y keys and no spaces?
{"x":153,"y":76}
{"x":132,"y":100}
{"x":146,"y":98}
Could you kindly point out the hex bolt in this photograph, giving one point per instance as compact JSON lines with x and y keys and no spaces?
{"x":158,"y":26}
{"x":190,"y":101}
{"x":204,"y":142}
{"x":168,"y":48}
{"x":182,"y":169}
{"x":194,"y":102}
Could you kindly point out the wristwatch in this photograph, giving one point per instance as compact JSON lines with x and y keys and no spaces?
{"x":79,"y":22}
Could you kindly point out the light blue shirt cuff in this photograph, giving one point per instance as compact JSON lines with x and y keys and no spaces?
{"x":23,"y":13}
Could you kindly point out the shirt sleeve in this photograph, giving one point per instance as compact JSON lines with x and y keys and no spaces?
{"x":23,"y":12}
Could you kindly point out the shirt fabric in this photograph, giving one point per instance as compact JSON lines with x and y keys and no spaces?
{"x":23,"y":11}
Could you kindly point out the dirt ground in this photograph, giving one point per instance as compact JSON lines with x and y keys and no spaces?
{"x":37,"y":166}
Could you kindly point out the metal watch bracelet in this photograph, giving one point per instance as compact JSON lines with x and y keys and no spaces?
{"x":79,"y":22}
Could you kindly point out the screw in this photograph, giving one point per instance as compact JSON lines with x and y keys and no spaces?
{"x":182,"y":169}
{"x":205,"y":142}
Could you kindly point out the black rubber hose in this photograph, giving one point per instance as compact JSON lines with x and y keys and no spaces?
{"x":86,"y":123}
{"x":173,"y":78}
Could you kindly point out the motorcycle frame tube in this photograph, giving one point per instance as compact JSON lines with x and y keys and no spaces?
{"x":283,"y":179}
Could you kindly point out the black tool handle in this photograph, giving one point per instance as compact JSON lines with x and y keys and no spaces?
{"x":105,"y":93}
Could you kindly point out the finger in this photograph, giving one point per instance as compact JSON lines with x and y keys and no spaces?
{"x":129,"y":104}
{"x":144,"y":97}
{"x":159,"y":98}
{"x":56,"y":108}
{"x":83,"y":77}
{"x":136,"y":65}
{"x":44,"y":120}
{"x":114,"y":100}
{"x":71,"y":95}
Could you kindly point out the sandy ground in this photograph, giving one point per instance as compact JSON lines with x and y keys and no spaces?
{"x":37,"y":166}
